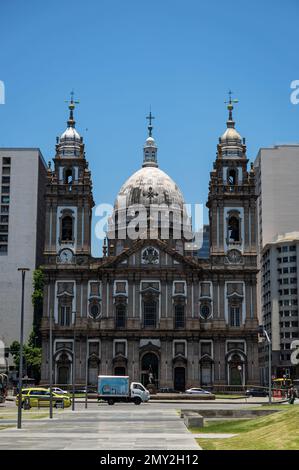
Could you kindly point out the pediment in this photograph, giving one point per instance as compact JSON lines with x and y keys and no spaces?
{"x":152,"y":254}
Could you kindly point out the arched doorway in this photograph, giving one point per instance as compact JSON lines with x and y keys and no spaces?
{"x":63,"y":367}
{"x":149,"y":369}
{"x":179,"y":379}
{"x":236,"y":370}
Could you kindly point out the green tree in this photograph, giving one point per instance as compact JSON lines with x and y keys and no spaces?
{"x":37,"y":302}
{"x":32,"y":359}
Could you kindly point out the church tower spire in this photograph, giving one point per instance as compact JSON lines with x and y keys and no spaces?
{"x":232,"y":196}
{"x":150,"y":148}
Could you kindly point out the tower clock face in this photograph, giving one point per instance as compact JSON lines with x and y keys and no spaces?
{"x":66,"y":256}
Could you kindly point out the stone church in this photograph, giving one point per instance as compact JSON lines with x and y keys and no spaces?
{"x":150,"y":307}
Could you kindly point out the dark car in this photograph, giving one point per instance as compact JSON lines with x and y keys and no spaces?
{"x":167,"y":390}
{"x":256,"y":392}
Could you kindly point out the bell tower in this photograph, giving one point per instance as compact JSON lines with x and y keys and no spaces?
{"x":232,"y":199}
{"x":69,"y":199}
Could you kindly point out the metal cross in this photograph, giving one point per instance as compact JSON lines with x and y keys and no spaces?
{"x":72,"y":99}
{"x":150,"y":117}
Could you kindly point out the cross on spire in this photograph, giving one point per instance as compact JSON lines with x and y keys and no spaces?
{"x":150,"y":117}
{"x":230,"y":106}
{"x":71,"y":103}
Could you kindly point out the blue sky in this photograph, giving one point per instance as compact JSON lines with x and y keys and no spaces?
{"x":120,"y":57}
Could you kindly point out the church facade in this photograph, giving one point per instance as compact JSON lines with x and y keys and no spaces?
{"x":150,"y":307}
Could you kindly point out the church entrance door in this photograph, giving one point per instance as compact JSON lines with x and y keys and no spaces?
{"x":179,"y":379}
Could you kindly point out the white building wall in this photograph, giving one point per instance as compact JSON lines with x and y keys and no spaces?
{"x":277,"y":175}
{"x":23,"y":209}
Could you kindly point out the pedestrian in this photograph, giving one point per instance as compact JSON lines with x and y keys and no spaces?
{"x":292,"y":395}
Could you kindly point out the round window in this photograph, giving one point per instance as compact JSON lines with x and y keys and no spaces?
{"x":94,"y":310}
{"x":205,"y":311}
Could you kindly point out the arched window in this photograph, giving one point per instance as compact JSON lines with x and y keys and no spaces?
{"x":150,"y":313}
{"x":179,"y":315}
{"x":68,"y":176}
{"x":67,"y":228}
{"x":232,"y":177}
{"x":120,"y":316}
{"x":234,"y":229}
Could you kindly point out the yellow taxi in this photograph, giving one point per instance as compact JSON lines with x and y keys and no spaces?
{"x":40,"y":397}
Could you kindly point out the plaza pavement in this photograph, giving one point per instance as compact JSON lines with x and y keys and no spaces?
{"x":124,"y":426}
{"x":103,"y":427}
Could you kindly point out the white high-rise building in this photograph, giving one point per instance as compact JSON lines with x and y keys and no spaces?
{"x":277,"y":175}
{"x":23,"y":173}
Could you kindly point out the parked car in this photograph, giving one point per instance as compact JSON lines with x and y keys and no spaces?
{"x":167,"y":390}
{"x":197,"y":391}
{"x":41,"y":397}
{"x":256,"y":392}
{"x":59,"y":391}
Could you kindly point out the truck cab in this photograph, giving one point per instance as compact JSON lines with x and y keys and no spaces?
{"x":138,"y":390}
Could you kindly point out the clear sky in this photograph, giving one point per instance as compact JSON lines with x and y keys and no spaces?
{"x":179,"y":56}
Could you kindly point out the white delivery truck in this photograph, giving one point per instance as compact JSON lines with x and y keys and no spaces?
{"x":114,"y":388}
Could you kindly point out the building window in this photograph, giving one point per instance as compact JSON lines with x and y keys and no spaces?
{"x":64,"y":315}
{"x":5,"y":199}
{"x":67,"y":228}
{"x":4,"y":209}
{"x":5,"y":189}
{"x":234,"y":314}
{"x":3,"y":249}
{"x":232,"y":177}
{"x":94,"y":309}
{"x":205,"y":311}
{"x":120,"y":316}
{"x":206,"y":348}
{"x":68,"y":176}
{"x":179,"y":315}
{"x":234,"y":229}
{"x":150,"y":313}
{"x":120,"y":348}
{"x":179,"y":348}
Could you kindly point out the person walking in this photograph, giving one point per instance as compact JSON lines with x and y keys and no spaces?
{"x":292,"y":395}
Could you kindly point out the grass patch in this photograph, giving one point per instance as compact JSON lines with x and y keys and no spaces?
{"x":279,"y":431}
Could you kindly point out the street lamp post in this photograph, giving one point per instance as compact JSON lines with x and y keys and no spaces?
{"x":19,"y":424}
{"x":263,"y":332}
{"x":74,"y":364}
{"x":50,"y":365}
{"x":86,"y":372}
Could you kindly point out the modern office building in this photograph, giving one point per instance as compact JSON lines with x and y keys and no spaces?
{"x":277,"y":175}
{"x":279,"y":275}
{"x":23,"y":173}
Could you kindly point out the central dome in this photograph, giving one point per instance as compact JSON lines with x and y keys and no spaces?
{"x":150,"y":185}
